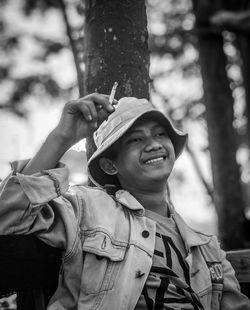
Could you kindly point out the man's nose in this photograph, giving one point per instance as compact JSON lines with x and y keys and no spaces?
{"x":152,"y":145}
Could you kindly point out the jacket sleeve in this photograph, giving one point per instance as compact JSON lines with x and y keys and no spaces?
{"x":232,"y":298}
{"x":37,"y":204}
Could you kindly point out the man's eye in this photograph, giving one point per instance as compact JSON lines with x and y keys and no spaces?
{"x":160,"y":134}
{"x":134,"y":140}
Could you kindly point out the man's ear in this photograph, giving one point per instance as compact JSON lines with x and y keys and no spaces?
{"x":107,"y":166}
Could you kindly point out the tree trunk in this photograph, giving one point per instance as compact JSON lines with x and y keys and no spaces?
{"x":116,"y":49}
{"x":222,"y":141}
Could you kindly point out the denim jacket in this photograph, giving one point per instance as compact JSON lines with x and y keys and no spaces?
{"x":106,"y":254}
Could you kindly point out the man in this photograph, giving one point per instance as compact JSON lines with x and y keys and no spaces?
{"x":124,"y":246}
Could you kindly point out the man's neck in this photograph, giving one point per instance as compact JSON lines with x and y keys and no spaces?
{"x":153,"y":201}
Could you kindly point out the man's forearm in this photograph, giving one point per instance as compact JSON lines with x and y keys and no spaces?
{"x":48,"y":156}
{"x":79,"y":119}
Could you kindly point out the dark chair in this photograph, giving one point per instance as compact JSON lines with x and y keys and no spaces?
{"x":240,"y":260}
{"x":30,"y":268}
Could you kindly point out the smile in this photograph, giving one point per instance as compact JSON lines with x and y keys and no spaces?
{"x":155,"y":160}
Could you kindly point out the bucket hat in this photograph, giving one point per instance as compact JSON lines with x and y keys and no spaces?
{"x":127,"y":112}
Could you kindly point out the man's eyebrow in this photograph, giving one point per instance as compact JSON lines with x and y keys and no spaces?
{"x":135,"y":130}
{"x":130,"y":133}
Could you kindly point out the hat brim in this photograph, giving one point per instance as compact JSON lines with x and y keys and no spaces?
{"x":100,"y":178}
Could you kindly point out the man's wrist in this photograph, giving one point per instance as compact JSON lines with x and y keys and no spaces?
{"x":59,"y":140}
{"x":49,"y":154}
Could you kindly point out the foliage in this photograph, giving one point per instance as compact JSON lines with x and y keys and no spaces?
{"x":171,"y":41}
{"x":26,"y":53}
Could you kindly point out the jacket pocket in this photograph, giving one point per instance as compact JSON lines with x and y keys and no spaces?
{"x":102,"y":260}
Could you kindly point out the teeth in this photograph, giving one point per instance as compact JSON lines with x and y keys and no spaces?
{"x":150,"y":161}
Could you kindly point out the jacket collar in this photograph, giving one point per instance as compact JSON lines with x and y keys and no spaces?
{"x":128,"y":200}
{"x":190,"y":237}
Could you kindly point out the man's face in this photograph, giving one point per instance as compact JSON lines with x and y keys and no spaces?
{"x":145,"y":155}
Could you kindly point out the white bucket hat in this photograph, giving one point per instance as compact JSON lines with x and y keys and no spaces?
{"x":128,"y":110}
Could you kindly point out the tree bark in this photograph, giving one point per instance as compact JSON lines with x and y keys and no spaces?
{"x":116,"y":49}
{"x":222,"y":140}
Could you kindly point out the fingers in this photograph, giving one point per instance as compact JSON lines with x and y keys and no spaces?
{"x":102,"y":101}
{"x":83,"y":108}
{"x":95,"y":108}
{"x":92,"y":116}
{"x":99,"y":107}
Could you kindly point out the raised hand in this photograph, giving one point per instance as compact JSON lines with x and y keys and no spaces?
{"x":81,"y":117}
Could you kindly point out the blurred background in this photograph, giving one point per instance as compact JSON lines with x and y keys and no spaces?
{"x":198,"y":75}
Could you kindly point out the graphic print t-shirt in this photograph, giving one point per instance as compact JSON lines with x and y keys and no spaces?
{"x":168,"y":284}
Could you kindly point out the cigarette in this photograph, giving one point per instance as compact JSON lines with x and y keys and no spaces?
{"x":112,"y":93}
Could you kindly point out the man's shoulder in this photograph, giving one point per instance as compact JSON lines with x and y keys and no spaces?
{"x":211,"y":247}
{"x":89,"y":193}
{"x":213,"y":239}
{"x":202,"y":233}
{"x":87,"y":189}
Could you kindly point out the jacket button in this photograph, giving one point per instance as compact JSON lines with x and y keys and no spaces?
{"x":145,"y":234}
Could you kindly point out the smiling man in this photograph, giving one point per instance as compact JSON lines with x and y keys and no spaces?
{"x":124,"y":246}
{"x":146,"y":153}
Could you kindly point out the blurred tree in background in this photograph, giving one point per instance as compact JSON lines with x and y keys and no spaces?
{"x":116,"y":48}
{"x":219,"y":102}
{"x":191,"y":43}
